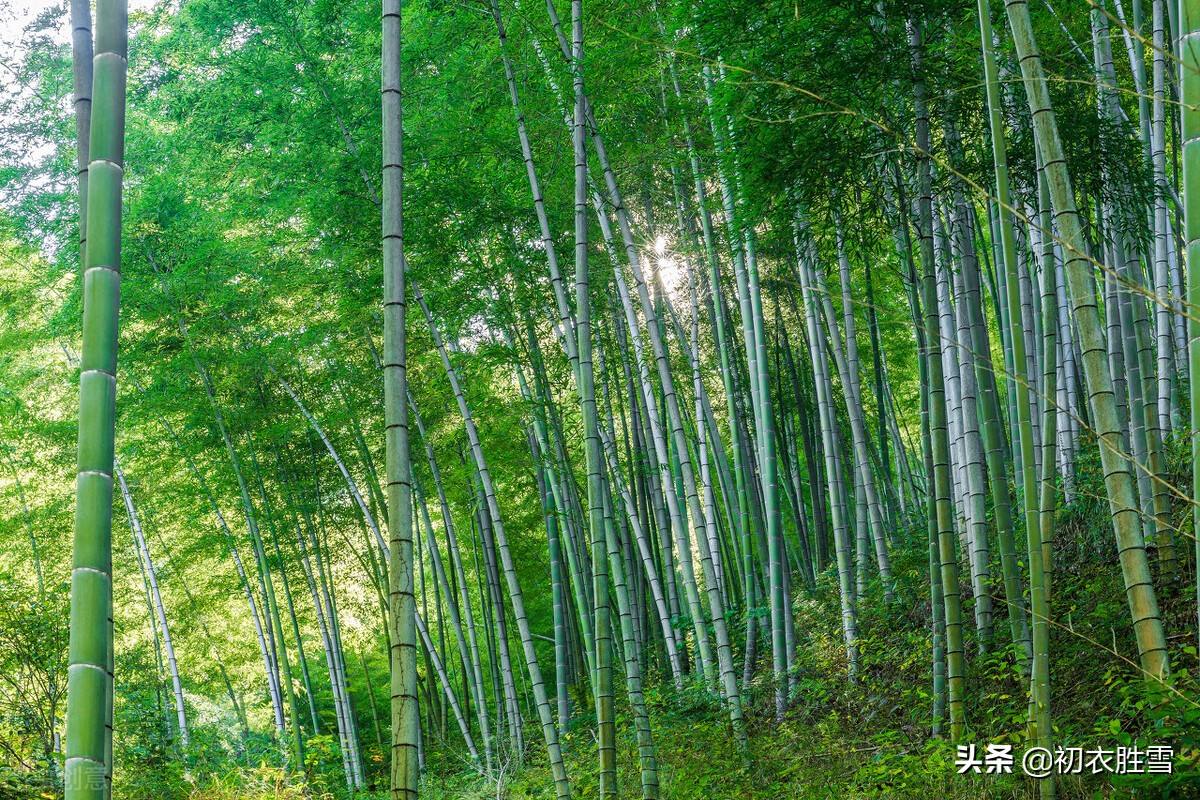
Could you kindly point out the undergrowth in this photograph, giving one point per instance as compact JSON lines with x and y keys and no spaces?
{"x":867,"y":738}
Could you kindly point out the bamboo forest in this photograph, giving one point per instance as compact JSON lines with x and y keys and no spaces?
{"x":551,"y":399}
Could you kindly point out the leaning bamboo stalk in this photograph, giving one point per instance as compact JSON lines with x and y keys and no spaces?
{"x":238,"y":710}
{"x":475,"y":687}
{"x":661,"y":461}
{"x":464,"y":727}
{"x":1119,"y":483}
{"x":160,"y":610}
{"x":828,"y":421}
{"x":1014,"y":345}
{"x":461,"y":579}
{"x":575,"y":554}
{"x":317,"y":588}
{"x":351,"y":484}
{"x":305,"y":675}
{"x":858,"y":433}
{"x":267,"y":641}
{"x":325,"y":565}
{"x":740,"y":498}
{"x":609,"y":447}
{"x":287,"y":684}
{"x":745,"y":265}
{"x":541,"y":700}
